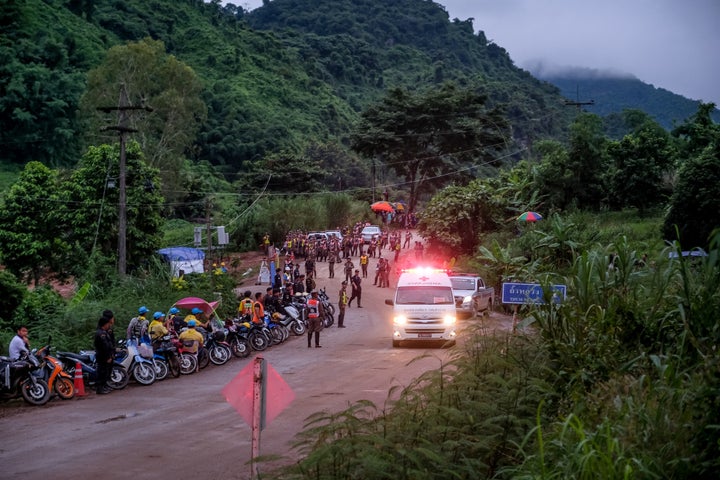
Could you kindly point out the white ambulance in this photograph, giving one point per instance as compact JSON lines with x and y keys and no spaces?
{"x":423,"y":307}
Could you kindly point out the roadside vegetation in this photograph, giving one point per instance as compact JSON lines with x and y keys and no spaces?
{"x":265,"y":132}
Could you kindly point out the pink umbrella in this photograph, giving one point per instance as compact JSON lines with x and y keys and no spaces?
{"x":196,"y":302}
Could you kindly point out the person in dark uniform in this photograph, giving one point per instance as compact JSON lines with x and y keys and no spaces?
{"x":315,"y":318}
{"x":104,"y":351}
{"x":342,"y":303}
{"x":355,"y":281}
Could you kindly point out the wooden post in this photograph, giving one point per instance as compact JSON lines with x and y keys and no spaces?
{"x":258,"y":370}
{"x":515,"y":321}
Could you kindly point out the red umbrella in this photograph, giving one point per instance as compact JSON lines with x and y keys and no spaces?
{"x":530,"y":217}
{"x":382,"y":206}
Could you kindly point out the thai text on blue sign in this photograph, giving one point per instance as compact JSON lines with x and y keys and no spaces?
{"x":530,"y":293}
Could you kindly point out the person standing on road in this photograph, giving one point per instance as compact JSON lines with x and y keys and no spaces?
{"x":104,"y":351}
{"x":315,"y":318}
{"x":364,"y":264}
{"x":331,"y":262}
{"x":348,"y":269}
{"x":19,"y":345}
{"x":355,"y":281}
{"x":342,"y":303}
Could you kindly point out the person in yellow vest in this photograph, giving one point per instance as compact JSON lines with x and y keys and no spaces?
{"x":246,"y":304}
{"x":191,"y":338}
{"x":157,"y":328}
{"x":315,"y":318}
{"x":342,"y":303}
{"x":364,"y":264}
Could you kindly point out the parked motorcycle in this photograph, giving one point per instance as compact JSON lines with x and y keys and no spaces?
{"x":17,"y":379}
{"x":165,"y":358}
{"x":119,"y":376}
{"x":141,"y":367}
{"x":58,"y":380}
{"x":294,"y":319}
{"x":215,"y":350}
{"x":238,"y":342}
{"x":328,"y":308}
{"x":258,"y":336}
{"x":188,"y":360}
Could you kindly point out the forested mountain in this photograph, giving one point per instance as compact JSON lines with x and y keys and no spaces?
{"x":290,"y":74}
{"x":612,"y":94}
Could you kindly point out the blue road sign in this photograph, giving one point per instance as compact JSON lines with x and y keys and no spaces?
{"x":530,"y":293}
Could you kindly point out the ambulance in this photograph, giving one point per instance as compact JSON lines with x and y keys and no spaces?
{"x":423,"y":307}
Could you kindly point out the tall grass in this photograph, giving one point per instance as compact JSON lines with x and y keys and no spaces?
{"x":621,"y":380}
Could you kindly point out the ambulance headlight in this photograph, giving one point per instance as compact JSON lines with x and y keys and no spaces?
{"x":449,"y":320}
{"x":400,"y":320}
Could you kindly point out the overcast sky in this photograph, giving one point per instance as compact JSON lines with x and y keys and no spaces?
{"x":672,"y":44}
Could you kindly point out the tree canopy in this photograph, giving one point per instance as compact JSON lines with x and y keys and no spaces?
{"x":431,"y":137}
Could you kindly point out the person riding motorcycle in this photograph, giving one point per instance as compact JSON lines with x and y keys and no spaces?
{"x":191,"y":338}
{"x":157,"y":328}
{"x":138,"y":325}
{"x":175,"y":321}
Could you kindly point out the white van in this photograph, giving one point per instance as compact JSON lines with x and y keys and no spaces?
{"x":423,"y":307}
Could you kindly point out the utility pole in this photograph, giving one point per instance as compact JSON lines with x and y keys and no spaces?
{"x":577,"y":103}
{"x":123,"y":128}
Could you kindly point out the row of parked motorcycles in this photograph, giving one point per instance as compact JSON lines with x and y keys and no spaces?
{"x":39,"y":376}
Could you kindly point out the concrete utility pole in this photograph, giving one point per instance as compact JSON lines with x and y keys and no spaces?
{"x":123,"y":128}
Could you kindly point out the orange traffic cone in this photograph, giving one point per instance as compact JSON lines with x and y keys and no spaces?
{"x":79,"y":382}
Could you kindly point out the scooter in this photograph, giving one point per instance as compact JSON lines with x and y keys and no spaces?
{"x":119,"y":377}
{"x":55,"y":376}
{"x":328,"y":308}
{"x":141,"y":368}
{"x":17,"y":379}
{"x":165,"y":357}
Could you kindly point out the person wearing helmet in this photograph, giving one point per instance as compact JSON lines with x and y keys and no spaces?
{"x":196,"y":314}
{"x":175,"y":321}
{"x":191,"y":338}
{"x":157,"y":328}
{"x":245,"y":309}
{"x":138,"y":325}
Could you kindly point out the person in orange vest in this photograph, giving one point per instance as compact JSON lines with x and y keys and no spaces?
{"x":315,"y":318}
{"x":258,"y":313}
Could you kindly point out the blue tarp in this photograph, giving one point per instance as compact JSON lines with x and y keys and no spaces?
{"x":181,"y":254}
{"x":185,"y":259}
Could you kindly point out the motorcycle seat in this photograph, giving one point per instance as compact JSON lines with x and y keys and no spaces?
{"x":83,"y":357}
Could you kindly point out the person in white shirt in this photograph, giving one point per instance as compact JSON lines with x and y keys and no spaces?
{"x":20,"y":343}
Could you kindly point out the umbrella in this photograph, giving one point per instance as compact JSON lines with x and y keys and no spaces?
{"x":193,"y":302}
{"x":530,"y":217}
{"x":382,"y":206}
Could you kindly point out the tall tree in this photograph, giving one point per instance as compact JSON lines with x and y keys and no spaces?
{"x":29,"y":214}
{"x":159,"y":81}
{"x":575,"y":176}
{"x":640,"y":165}
{"x":432,"y":137}
{"x":695,"y":202}
{"x":92,"y":223}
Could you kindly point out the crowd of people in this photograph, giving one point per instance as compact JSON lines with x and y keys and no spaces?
{"x":296,"y":260}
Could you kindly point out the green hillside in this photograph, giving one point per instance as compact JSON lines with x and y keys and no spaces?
{"x":290,"y":74}
{"x":612,"y":95}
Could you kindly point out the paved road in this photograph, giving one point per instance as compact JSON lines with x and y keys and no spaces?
{"x":183,"y":428}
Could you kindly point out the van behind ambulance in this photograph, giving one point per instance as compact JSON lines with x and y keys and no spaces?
{"x":423,"y":307}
